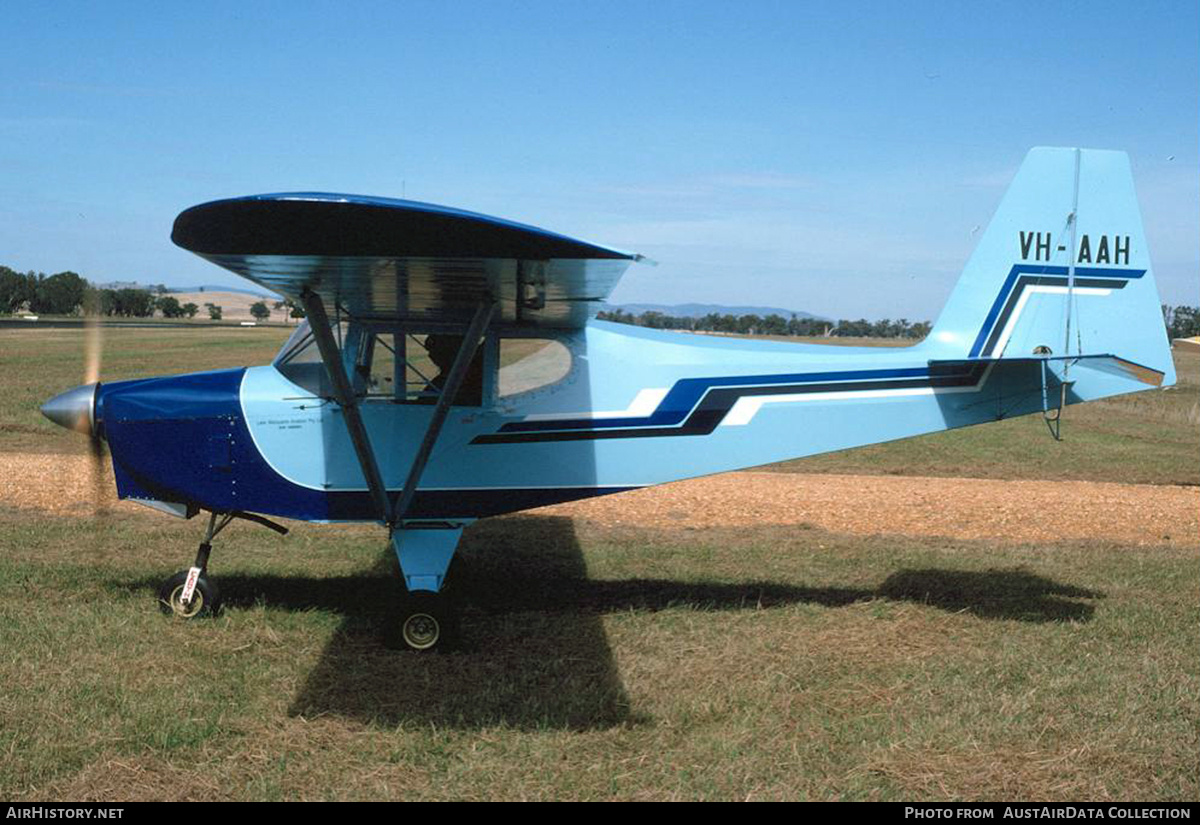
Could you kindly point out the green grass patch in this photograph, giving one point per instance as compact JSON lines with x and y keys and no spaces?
{"x":1151,"y":437}
{"x":600,"y":663}
{"x":38,"y":364}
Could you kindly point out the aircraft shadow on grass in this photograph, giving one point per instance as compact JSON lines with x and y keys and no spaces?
{"x":537,"y":656}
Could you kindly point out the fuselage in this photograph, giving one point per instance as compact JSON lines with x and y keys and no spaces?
{"x":632,"y":408}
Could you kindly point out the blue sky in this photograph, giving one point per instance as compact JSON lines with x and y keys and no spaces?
{"x":828,"y":157}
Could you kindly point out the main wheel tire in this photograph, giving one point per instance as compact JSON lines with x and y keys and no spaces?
{"x":422,"y":622}
{"x":206,"y":598}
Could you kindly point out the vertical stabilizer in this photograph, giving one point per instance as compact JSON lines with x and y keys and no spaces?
{"x":1062,"y":269}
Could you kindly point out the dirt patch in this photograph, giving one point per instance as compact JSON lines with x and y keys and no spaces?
{"x":61,"y":484}
{"x":965,"y":508}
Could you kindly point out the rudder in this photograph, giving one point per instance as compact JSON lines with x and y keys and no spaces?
{"x":1020,"y":295}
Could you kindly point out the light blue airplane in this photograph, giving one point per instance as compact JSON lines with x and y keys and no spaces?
{"x":399,"y":402}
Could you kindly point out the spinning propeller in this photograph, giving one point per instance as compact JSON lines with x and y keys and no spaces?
{"x":76,"y":409}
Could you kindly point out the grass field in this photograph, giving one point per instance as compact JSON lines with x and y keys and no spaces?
{"x":605,"y":662}
{"x":1145,"y":438}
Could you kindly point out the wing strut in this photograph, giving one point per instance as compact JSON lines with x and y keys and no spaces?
{"x":343,"y":393}
{"x":424,"y":550}
{"x":348,"y":402}
{"x":458,"y":372}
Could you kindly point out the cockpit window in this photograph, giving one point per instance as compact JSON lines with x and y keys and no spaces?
{"x":383,"y":364}
{"x":531,"y":363}
{"x":413,"y":368}
{"x":299,"y":359}
{"x":301,"y":337}
{"x":301,"y":347}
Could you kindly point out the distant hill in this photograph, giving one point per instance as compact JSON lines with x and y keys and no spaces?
{"x":700,"y":310}
{"x":235,"y":304}
{"x":257,"y":293}
{"x":123,"y":285}
{"x":175,"y":290}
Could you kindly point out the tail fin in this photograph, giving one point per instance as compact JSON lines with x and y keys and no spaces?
{"x":1062,"y":269}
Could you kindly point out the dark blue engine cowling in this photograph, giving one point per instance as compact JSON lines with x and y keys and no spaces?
{"x":182,"y":438}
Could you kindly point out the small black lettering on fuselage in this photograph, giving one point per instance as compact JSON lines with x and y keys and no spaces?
{"x":1104,"y":249}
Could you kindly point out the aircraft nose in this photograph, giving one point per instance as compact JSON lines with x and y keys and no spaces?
{"x":74,"y":409}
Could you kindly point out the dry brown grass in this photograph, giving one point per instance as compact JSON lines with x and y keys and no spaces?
{"x":603,"y":662}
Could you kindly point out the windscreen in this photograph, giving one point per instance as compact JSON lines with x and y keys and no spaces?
{"x":383,"y":364}
{"x":299,"y":359}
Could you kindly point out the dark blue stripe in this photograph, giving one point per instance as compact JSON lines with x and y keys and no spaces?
{"x":687,"y":392}
{"x":1041,"y":269}
{"x":718,"y":401}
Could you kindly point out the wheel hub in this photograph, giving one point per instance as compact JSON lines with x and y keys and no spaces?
{"x":421,"y":631}
{"x":189,"y":610}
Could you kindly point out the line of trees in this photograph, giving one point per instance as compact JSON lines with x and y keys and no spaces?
{"x":67,"y":293}
{"x":59,"y":294}
{"x":1180,"y":321}
{"x":128,"y":302}
{"x":773,"y":324}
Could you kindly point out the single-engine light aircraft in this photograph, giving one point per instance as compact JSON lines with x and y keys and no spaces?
{"x":450,"y":369}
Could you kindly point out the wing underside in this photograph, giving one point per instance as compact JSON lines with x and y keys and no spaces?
{"x":388,"y":260}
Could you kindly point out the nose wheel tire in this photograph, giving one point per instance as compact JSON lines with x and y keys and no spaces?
{"x":422,"y":622}
{"x":205,"y":601}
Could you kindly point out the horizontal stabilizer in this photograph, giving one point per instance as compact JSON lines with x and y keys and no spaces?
{"x":1101,"y":362}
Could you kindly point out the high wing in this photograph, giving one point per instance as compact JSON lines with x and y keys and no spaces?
{"x":385,"y":259}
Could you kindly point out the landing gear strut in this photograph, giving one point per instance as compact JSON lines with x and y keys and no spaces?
{"x":424,"y":620}
{"x":190,"y":594}
{"x":424,"y":617}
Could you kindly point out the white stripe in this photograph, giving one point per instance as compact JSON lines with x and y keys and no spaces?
{"x":746,"y":407}
{"x":643,"y":404}
{"x":1002,"y":341}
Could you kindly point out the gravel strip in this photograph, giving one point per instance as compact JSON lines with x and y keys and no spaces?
{"x":963,"y":508}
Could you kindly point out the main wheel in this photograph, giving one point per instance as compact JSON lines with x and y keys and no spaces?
{"x":422,"y":622}
{"x":206,"y":598}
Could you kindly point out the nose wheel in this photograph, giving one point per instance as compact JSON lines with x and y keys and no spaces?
{"x":205,"y":597}
{"x":190,"y":594}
